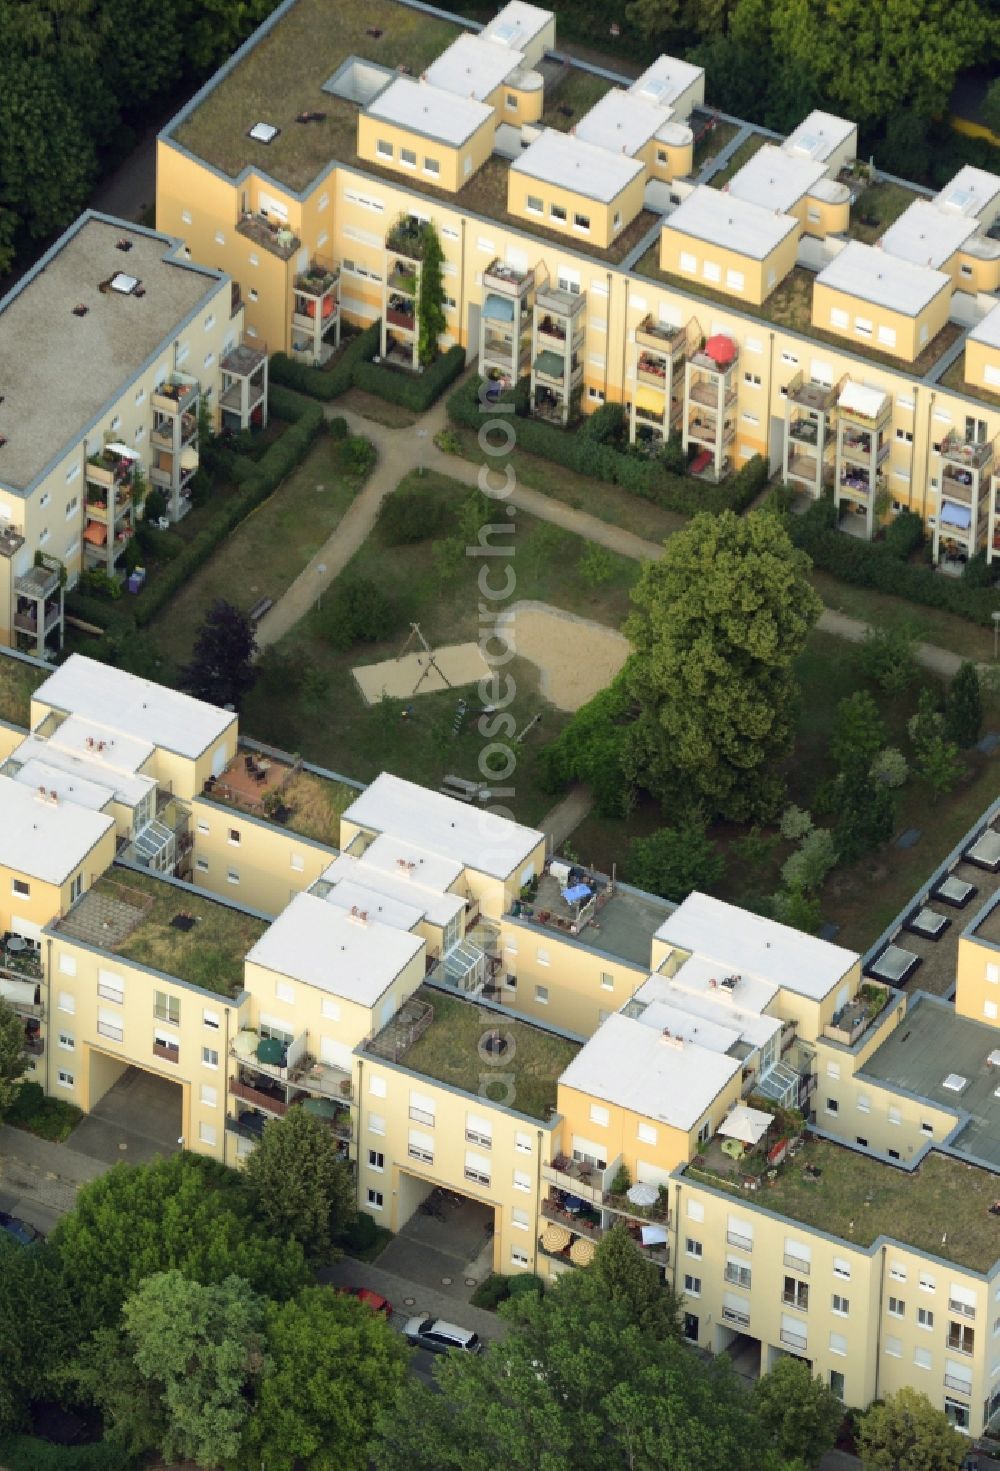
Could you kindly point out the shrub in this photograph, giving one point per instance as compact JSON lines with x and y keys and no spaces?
{"x":331,"y":381}
{"x":49,"y":1118}
{"x":358,"y":611}
{"x":337,"y":427}
{"x":359,"y":456}
{"x":492,"y":1291}
{"x":99,"y":584}
{"x":155,"y":504}
{"x":361,"y":1234}
{"x":448,"y":442}
{"x":523,"y":1283}
{"x":30,"y":1453}
{"x":411,"y":516}
{"x":806,"y":868}
{"x":904,"y":534}
{"x":622,"y":1181}
{"x":796,"y":823}
{"x":414,"y":391}
{"x":890,"y":767}
{"x":963,"y":707}
{"x":886,"y":656}
{"x":595,"y":565}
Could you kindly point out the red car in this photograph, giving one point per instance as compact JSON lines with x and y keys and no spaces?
{"x":375,"y":1301}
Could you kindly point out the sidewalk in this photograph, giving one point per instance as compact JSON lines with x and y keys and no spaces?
{"x":38,"y":1180}
{"x":410,"y":1299}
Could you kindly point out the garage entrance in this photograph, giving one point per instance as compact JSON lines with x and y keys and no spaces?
{"x":447,"y":1241}
{"x":134,"y":1115}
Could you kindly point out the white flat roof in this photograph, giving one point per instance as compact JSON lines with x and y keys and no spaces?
{"x":36,"y":772}
{"x":472,"y":67}
{"x":622,"y":121}
{"x":987,"y":331}
{"x":868,"y":273}
{"x":430,"y":111}
{"x":819,"y":135}
{"x":722,"y":219}
{"x":747,"y":944}
{"x":666,"y":79}
{"x":357,"y":896}
{"x":482,"y":841}
{"x":926,"y":235}
{"x":755,"y":1028}
{"x":123,"y":754}
{"x":136,"y":707}
{"x":86,"y":773}
{"x":676,"y":1021}
{"x":775,"y":179}
{"x":637,"y":1068}
{"x":324,"y":946}
{"x":408,"y":895}
{"x":43,"y":839}
{"x":516,"y":25}
{"x":583,"y":168}
{"x":702,"y":976}
{"x":970,"y":192}
{"x":409,"y":861}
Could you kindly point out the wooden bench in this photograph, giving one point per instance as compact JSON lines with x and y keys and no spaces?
{"x":262,"y":606}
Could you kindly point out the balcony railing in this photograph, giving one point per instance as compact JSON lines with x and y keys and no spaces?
{"x":745,"y":1243}
{"x":426,"y":1156}
{"x":967,"y":452}
{"x":963,"y":1309}
{"x":258,"y":1097}
{"x":738,"y":1276}
{"x":582,"y":1180}
{"x":116,"y":1034}
{"x":503,"y":278}
{"x":421,"y":1116}
{"x":167,"y":1051}
{"x":660,"y":336}
{"x":34,"y":1046}
{"x":476,"y":1177}
{"x":797,"y":1264}
{"x":736,"y":1316}
{"x":274,"y":236}
{"x":793,"y":1340}
{"x":964,"y":1386}
{"x":957,"y":1344}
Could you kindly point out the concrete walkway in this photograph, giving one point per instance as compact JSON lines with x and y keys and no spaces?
{"x":566,"y":816}
{"x":403,"y":450}
{"x":38,"y":1180}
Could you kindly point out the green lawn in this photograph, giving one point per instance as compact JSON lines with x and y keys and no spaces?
{"x":325,"y":718}
{"x":743,"y":155}
{"x":18,"y":682}
{"x":881,"y":204}
{"x":267,"y":551}
{"x":930,"y":625}
{"x":449,"y":1051}
{"x":860,"y":1199}
{"x":566,"y":105}
{"x":713,"y":143}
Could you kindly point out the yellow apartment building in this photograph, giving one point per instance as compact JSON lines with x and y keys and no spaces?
{"x":576,"y":188}
{"x":734,"y":246}
{"x":891,"y":303}
{"x":641,"y":129}
{"x":416,"y":128}
{"x":789,"y":183}
{"x":107,"y":348}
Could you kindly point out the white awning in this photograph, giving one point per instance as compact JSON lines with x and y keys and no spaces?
{"x":653,"y":1235}
{"x":26,"y":928}
{"x":858,"y":399}
{"x":746,"y":1124}
{"x":121,"y":449}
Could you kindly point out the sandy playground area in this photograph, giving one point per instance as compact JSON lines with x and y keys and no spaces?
{"x":576,"y":658}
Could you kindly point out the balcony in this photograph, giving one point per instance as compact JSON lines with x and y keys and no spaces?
{"x":302,"y":1071}
{"x":273,"y":235}
{"x":797,"y":1341}
{"x":957,"y":485}
{"x":167,"y":1052}
{"x":707,"y":395}
{"x":109,"y":469}
{"x":175,"y":395}
{"x":271,"y":1101}
{"x":816,"y":396}
{"x":582,"y":1180}
{"x":551,"y":331}
{"x":26,"y":619}
{"x":504,"y":279}
{"x":804,"y":431}
{"x":736,"y":1316}
{"x":11,"y":539}
{"x":34,"y":1046}
{"x":967,"y":453}
{"x":401,"y":312}
{"x":320,"y":279}
{"x":848,"y":1024}
{"x":551,"y":366}
{"x":405,"y":237}
{"x":660,"y":336}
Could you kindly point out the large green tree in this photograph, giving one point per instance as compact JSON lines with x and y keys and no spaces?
{"x":177,"y":1375}
{"x":717,"y":625}
{"x":186,"y":1212}
{"x":222,"y":668}
{"x":907,"y":1433}
{"x":13,"y":1062}
{"x":674,"y":860}
{"x":797,"y":1410}
{"x":963,"y":706}
{"x":300,"y":1187}
{"x":37,"y":1327}
{"x":330,"y":1362}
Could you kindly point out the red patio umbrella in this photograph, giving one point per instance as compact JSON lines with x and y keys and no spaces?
{"x":721,"y":349}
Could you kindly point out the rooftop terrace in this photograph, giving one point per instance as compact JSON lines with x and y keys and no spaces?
{"x":446,"y":1045}
{"x":934,"y":1043}
{"x":178,"y":931}
{"x":621,"y":922}
{"x":283,"y":793}
{"x":941,"y":1208}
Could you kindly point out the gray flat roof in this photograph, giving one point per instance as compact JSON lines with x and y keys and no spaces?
{"x":624,"y":927}
{"x":59,"y":371}
{"x":775,"y":179}
{"x":732,"y":223}
{"x":932,"y":1043}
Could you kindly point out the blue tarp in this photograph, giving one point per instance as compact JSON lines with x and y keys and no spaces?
{"x":498,"y":308}
{"x":952,"y":515}
{"x":576,"y":894}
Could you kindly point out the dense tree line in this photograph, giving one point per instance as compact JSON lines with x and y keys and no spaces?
{"x":77,"y":79}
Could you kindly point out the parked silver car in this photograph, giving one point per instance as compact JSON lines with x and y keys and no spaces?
{"x":438,"y":1336}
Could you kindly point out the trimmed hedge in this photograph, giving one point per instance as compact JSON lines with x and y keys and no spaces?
{"x":256,"y":481}
{"x":590,"y":450}
{"x":879,"y":565}
{"x":354,"y":368}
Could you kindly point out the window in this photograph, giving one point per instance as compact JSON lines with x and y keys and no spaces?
{"x":863,"y":1103}
{"x":542,"y":955}
{"x":542,"y":995}
{"x":581,"y":222}
{"x":376,"y":1159}
{"x":905,"y":435}
{"x":477,"y":1168}
{"x":692,"y":1285}
{"x":841,"y":1305}
{"x":923,"y":1358}
{"x":740,"y":1233}
{"x":927,"y":1283}
{"x":186,"y":216}
{"x":961,"y":1338}
{"x":207,"y":1133}
{"x":795,"y":1294}
{"x":735,"y":280}
{"x":897,"y":1271}
{"x":894,"y":1116}
{"x":646,"y":1134}
{"x":695,"y":1209}
{"x":860,"y":1139}
{"x":965,"y":270}
{"x":599,"y":1115}
{"x":65,"y":1079}
{"x":376,"y":1123}
{"x":209,"y":1057}
{"x":693,"y":1247}
{"x":894,"y":1346}
{"x":837,"y":1383}
{"x":232,"y":876}
{"x":838,"y":1344}
{"x":67,"y":1002}
{"x":833,"y":1070}
{"x":21,"y":887}
{"x":711,"y":271}
{"x":478,"y":1131}
{"x":705,"y":1132}
{"x":534,"y":205}
{"x":518,"y":1256}
{"x":375,"y":1199}
{"x":420,"y":1146}
{"x":957,"y":1413}
{"x":376,"y":1086}
{"x":519,"y":1218}
{"x":422,"y":1108}
{"x":510,"y":102}
{"x":284,"y":992}
{"x":688,"y":263}
{"x":839,"y":318}
{"x":752,"y":378}
{"x":616,"y":222}
{"x":607,"y":981}
{"x":210,"y":1019}
{"x":66,"y":1041}
{"x":887,"y":336}
{"x":521,"y":1180}
{"x":993,"y":974}
{"x":925,"y":1317}
{"x":737,"y":1272}
{"x":863,"y":327}
{"x":522,"y":1143}
{"x":990,"y":1010}
{"x":166,"y":1008}
{"x":408,"y":158}
{"x":383,"y":149}
{"x":556,"y":212}
{"x":67,"y":965}
{"x":201,"y":864}
{"x":209,"y":1096}
{"x":234,"y":836}
{"x":832,"y":1106}
{"x":753,"y":344}
{"x":897,"y":1307}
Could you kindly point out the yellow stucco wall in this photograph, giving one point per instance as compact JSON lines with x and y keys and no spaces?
{"x":602,"y":229}
{"x":271,"y":864}
{"x":744,"y":277}
{"x":887,"y":331}
{"x":455,"y":166}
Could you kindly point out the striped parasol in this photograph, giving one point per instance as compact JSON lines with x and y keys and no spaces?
{"x":555,"y":1237}
{"x":582,"y":1251}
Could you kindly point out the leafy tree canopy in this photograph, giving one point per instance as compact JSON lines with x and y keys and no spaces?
{"x":675,"y":860}
{"x":221,"y":668}
{"x":907,"y":1433}
{"x":797,"y":1410}
{"x":13,"y":1062}
{"x":300,"y":1187}
{"x":37,"y":1326}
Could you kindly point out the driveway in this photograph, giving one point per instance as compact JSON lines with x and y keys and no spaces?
{"x":137,"y":1119}
{"x":450,"y":1255}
